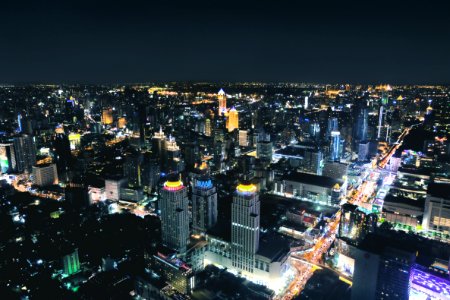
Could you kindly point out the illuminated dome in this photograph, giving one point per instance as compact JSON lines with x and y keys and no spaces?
{"x":246,"y":187}
{"x":337,"y":186}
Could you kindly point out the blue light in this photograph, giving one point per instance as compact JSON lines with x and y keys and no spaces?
{"x":204,"y":184}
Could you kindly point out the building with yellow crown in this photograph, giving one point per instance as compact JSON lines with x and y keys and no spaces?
{"x":257,"y":260}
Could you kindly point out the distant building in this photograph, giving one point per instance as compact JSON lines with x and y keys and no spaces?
{"x":222,"y":98}
{"x":233,"y":120}
{"x":173,"y":204}
{"x":25,"y":152}
{"x":314,"y":188}
{"x":356,"y":223}
{"x":71,"y":263}
{"x":335,"y":146}
{"x":243,"y":138}
{"x":107,"y":116}
{"x":45,"y":175}
{"x":363,"y":151}
{"x":264,"y":150}
{"x":8,"y":162}
{"x":437,"y":208}
{"x":112,"y":188}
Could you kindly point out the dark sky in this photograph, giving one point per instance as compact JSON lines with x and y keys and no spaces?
{"x":140,"y":41}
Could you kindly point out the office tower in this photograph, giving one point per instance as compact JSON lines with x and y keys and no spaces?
{"x":71,"y":263}
{"x":314,"y":130}
{"x":245,"y":214}
{"x":208,"y":127}
{"x":222,"y":102}
{"x":335,"y":146}
{"x":45,"y":175}
{"x":312,"y":161}
{"x":264,"y":150}
{"x":363,"y":151}
{"x":380,"y":122}
{"x":191,"y":154}
{"x":243,"y":138}
{"x":159,"y":144}
{"x":172,"y":161}
{"x":382,"y":269}
{"x":333,"y":125}
{"x":204,"y":205}
{"x":61,"y":144}
{"x":436,"y":217}
{"x":113,"y":186}
{"x":25,"y":151}
{"x":8,"y":162}
{"x":233,"y":120}
{"x":107,"y":116}
{"x":173,"y":204}
{"x":19,"y":122}
{"x":356,"y":223}
{"x":305,"y":104}
{"x":132,"y":169}
{"x":361,"y":124}
{"x":150,"y":173}
{"x":122,"y":122}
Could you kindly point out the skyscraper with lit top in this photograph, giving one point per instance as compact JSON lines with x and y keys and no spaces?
{"x":204,"y":204}
{"x":233,"y":120}
{"x":245,"y":214}
{"x":222,"y":102}
{"x":173,"y":204}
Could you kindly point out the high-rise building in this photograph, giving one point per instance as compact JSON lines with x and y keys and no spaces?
{"x":204,"y":204}
{"x":233,"y":120}
{"x":382,"y":269}
{"x":245,"y":214}
{"x":8,"y":162}
{"x":221,"y":96}
{"x":159,"y":144}
{"x":335,"y":146}
{"x":132,"y":169}
{"x":71,"y":263}
{"x":363,"y":150}
{"x":45,"y":175}
{"x":243,"y":138}
{"x":333,"y":125}
{"x":173,"y":204}
{"x":264,"y":150}
{"x":113,"y":186}
{"x":107,"y":116}
{"x":356,"y":223}
{"x":208,"y":127}
{"x":172,"y":161}
{"x":360,"y":129}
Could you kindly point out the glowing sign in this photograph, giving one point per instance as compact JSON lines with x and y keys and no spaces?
{"x":173,"y":185}
{"x":429,"y":283}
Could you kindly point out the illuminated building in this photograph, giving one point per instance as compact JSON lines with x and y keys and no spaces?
{"x":112,"y":188}
{"x":122,"y":122}
{"x":332,"y":126}
{"x":427,"y":285}
{"x":173,"y":204}
{"x":172,"y":161}
{"x":382,"y":269}
{"x":7,"y":158}
{"x":245,"y":214}
{"x":74,"y":140}
{"x":132,"y":169}
{"x":363,"y":151}
{"x":335,"y":146}
{"x":174,"y":271}
{"x":45,"y":175}
{"x":437,"y":208}
{"x":264,"y":151}
{"x":243,"y":138}
{"x":159,"y":144}
{"x":107,"y":116}
{"x":71,"y":263}
{"x":25,"y":152}
{"x":355,"y":223}
{"x":233,"y":120}
{"x":221,"y":96}
{"x":204,"y":205}
{"x":208,"y":129}
{"x":314,"y":188}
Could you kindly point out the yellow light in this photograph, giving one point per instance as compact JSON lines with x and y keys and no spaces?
{"x":345,"y":280}
{"x":173,"y":184}
{"x":246,"y":188}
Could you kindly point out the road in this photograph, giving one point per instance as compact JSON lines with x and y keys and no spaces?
{"x":306,"y":263}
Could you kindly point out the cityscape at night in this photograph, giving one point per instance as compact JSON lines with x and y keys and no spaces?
{"x":250,"y":151}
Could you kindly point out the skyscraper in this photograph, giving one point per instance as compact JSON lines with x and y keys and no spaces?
{"x":222,"y":102}
{"x":333,"y":125}
{"x":45,"y":175}
{"x":7,"y":158}
{"x":233,"y":120}
{"x":107,"y":116}
{"x":245,"y":214}
{"x":204,"y":204}
{"x":173,"y":204}
{"x":335,"y":146}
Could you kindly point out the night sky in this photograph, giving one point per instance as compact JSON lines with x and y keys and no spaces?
{"x":141,"y":41}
